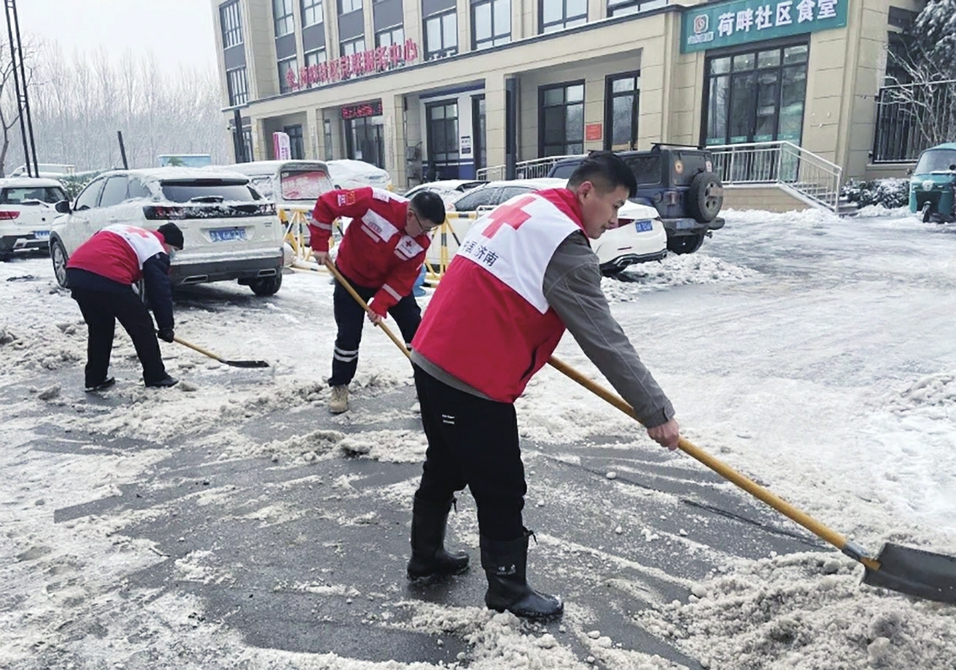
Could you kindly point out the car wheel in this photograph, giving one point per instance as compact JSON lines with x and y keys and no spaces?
{"x":685,"y":244}
{"x":267,"y":286}
{"x":705,"y":197}
{"x":59,"y":258}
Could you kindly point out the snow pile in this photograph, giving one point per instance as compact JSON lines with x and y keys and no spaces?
{"x":805,"y":611}
{"x":675,"y":270}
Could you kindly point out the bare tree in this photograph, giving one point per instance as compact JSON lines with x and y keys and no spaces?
{"x":9,"y":104}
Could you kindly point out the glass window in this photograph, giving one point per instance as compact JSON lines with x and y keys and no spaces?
{"x":621,"y":112}
{"x":238,"y":89}
{"x":296,"y":142}
{"x":228,"y":190}
{"x":561,"y":119}
{"x":390,"y":36}
{"x":441,"y":35}
{"x":315,"y":57}
{"x":137,"y":189}
{"x":625,"y":7}
{"x":355,"y":46}
{"x":286,"y":74}
{"x":756,"y":96}
{"x":90,"y":195}
{"x":115,"y":191}
{"x":312,"y":12}
{"x":284,"y":17}
{"x":561,"y":14}
{"x":442,"y":128}
{"x":32,"y":196}
{"x":346,"y":6}
{"x":491,"y":23}
{"x":231,"y":24}
{"x":327,"y":132}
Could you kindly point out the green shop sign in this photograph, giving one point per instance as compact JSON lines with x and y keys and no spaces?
{"x":726,"y":24}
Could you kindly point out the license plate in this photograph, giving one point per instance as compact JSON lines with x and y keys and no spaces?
{"x":685,"y":224}
{"x":41,"y":234}
{"x":227,"y":234}
{"x":643,"y":226}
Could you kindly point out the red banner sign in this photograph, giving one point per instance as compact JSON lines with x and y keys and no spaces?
{"x":359,"y":64}
{"x":364,"y":109}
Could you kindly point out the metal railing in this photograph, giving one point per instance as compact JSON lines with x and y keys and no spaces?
{"x":780,"y":162}
{"x":913,"y":117}
{"x":529,"y":169}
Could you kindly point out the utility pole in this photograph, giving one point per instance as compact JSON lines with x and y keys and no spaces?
{"x":20,"y":84}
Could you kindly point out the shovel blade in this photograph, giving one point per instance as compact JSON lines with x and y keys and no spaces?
{"x":246,"y":364}
{"x":915,"y":572}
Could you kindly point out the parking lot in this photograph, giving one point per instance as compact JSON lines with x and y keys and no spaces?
{"x":232,"y":522}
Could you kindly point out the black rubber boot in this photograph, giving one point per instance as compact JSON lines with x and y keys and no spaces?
{"x":430,"y":562}
{"x":505,"y":564}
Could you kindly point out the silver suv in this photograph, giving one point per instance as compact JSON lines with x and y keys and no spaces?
{"x":230,"y":230}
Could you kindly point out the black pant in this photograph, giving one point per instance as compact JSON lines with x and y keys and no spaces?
{"x":350,"y":318}
{"x":101,"y":310}
{"x":473,"y":442}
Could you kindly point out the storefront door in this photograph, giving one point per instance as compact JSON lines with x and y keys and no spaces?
{"x":622,"y":97}
{"x":441,"y":120}
{"x":478,"y":130}
{"x":365,"y":139}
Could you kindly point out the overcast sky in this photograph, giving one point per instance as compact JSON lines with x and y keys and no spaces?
{"x":177,"y":31}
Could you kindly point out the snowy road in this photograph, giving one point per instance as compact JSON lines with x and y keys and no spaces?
{"x":231,"y":522}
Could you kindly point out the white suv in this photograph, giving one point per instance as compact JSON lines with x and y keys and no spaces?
{"x":230,"y":231}
{"x":26,"y":213}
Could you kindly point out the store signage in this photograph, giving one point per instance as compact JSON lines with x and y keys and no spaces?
{"x":354,"y":65}
{"x":281,"y":146}
{"x":725,"y":24}
{"x":364,"y":109}
{"x":593,"y":132}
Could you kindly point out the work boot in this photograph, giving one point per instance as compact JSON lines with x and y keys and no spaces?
{"x":430,"y":562}
{"x":165,"y":382}
{"x":339,"y":402}
{"x":505,"y":565}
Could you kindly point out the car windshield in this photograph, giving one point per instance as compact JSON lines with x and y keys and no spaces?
{"x":179,"y":191}
{"x":305,"y":185}
{"x":936,"y":160}
{"x":18,"y":195}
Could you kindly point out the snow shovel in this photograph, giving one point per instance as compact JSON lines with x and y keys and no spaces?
{"x":905,"y":569}
{"x":206,"y":352}
{"x":348,"y":287}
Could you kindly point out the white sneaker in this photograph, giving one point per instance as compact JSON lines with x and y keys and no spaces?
{"x":339,"y":402}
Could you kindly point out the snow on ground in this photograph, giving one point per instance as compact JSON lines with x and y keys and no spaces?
{"x":813,"y":353}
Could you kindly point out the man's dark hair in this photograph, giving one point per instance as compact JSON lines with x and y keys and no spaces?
{"x":429,"y":205}
{"x":172,"y":235}
{"x":606,"y":170}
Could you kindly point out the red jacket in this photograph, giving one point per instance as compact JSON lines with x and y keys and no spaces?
{"x":489,"y":323}
{"x":375,"y":251}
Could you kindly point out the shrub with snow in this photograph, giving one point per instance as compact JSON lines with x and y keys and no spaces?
{"x":890,"y":193}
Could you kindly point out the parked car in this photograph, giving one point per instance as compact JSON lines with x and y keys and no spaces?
{"x":448,"y":189}
{"x":293,"y":184}
{"x":26,"y":213}
{"x":680,"y":183}
{"x":933,"y":184}
{"x":638,"y":238}
{"x":348,"y":173}
{"x":231,"y":232}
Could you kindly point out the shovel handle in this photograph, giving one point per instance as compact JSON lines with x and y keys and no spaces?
{"x":725,"y":471}
{"x":348,"y":287}
{"x":196,"y":347}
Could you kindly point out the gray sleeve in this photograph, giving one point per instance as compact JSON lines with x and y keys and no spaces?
{"x":572,"y":286}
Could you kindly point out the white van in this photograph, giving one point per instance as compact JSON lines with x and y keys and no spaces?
{"x":292,"y":184}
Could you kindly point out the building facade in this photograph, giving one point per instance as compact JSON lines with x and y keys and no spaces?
{"x":442,"y":88}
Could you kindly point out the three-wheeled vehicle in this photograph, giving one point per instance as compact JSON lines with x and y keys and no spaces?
{"x":933,"y":184}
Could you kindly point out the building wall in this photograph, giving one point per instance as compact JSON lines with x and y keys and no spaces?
{"x":844,"y":73}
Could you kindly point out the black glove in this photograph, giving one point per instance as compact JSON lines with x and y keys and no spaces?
{"x":166,"y":334}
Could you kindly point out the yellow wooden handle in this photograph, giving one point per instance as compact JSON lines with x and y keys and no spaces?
{"x":348,"y":287}
{"x":721,"y":468}
{"x":196,"y":347}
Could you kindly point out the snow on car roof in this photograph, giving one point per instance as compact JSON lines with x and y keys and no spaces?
{"x":28,"y":182}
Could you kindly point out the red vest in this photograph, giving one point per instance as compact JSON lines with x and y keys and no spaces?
{"x":118,"y":253}
{"x":489,"y":323}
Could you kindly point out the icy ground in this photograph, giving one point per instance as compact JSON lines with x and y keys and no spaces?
{"x":814,"y":354}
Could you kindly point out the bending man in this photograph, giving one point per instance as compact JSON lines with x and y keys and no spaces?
{"x":523,"y":274}
{"x":381,"y":255}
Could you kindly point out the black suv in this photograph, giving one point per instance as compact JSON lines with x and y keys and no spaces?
{"x":679,"y":182}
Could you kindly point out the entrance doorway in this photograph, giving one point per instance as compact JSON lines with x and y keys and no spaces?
{"x":622,"y":98}
{"x":365,"y":139}
{"x":441,"y":125}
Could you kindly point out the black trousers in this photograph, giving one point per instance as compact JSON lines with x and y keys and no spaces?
{"x":350,"y":318}
{"x":472,"y":442}
{"x":101,"y":310}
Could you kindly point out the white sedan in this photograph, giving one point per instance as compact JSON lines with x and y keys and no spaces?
{"x":638,"y":238}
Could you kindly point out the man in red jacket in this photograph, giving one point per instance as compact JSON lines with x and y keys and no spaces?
{"x":101,"y":274}
{"x":524,"y":274}
{"x":381,"y":255}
